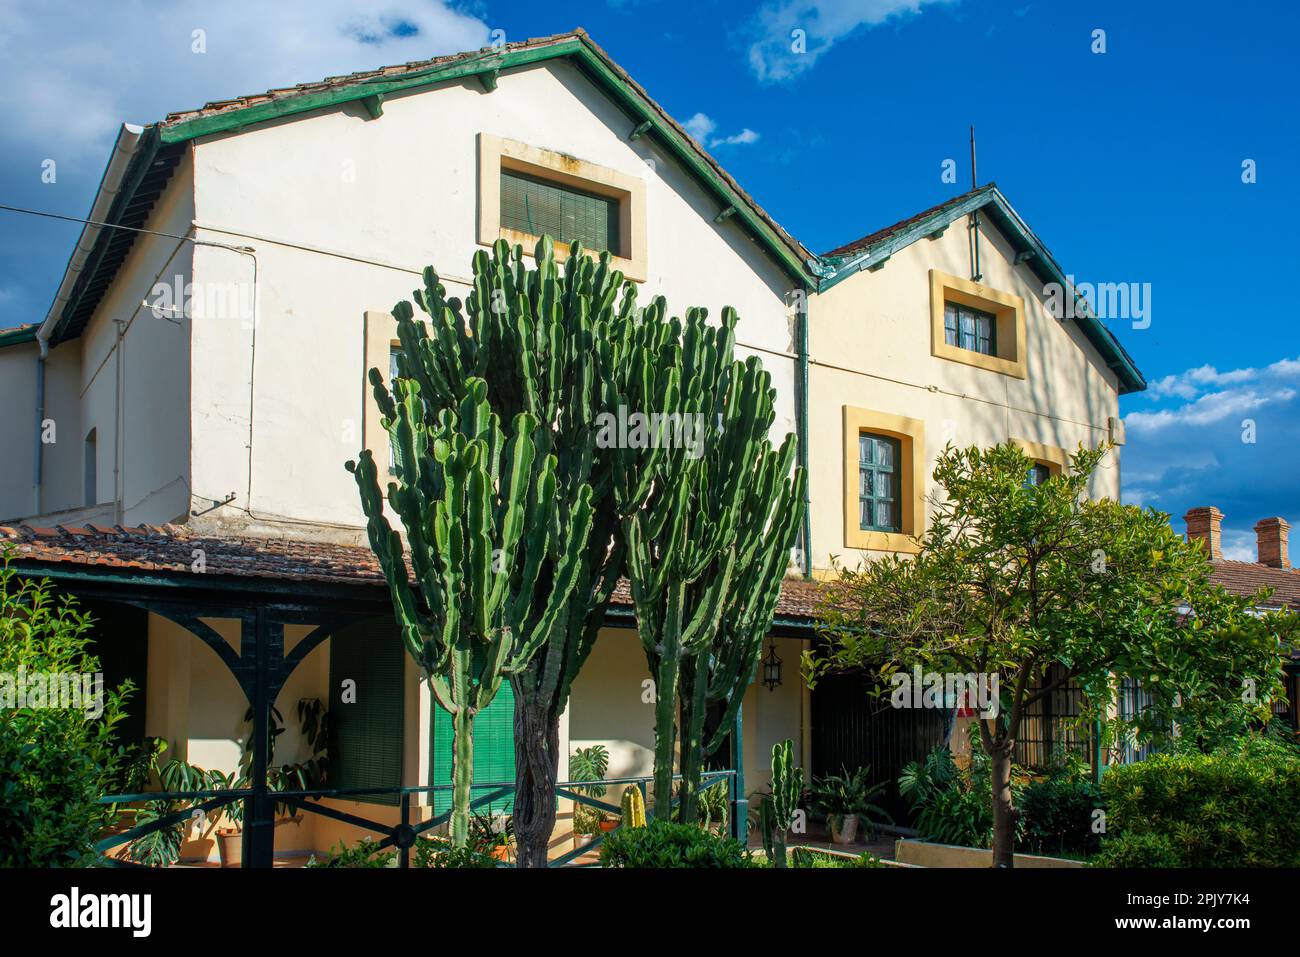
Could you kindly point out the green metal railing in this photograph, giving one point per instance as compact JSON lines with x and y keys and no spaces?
{"x":403,"y":835}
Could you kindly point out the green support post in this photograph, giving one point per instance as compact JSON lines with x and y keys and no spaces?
{"x":739,"y":803}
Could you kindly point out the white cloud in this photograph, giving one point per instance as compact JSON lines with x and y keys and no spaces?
{"x":1190,"y":384}
{"x":1208,"y":409}
{"x":778,"y":53}
{"x":702,"y":127}
{"x":71,"y":72}
{"x":744,"y":137}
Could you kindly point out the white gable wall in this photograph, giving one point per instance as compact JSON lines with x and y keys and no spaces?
{"x":375,"y":200}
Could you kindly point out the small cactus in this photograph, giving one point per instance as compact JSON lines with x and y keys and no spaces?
{"x":778,"y":809}
{"x":633,"y":807}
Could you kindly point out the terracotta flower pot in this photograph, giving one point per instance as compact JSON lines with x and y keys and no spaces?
{"x":501,"y":852}
{"x":844,"y":828}
{"x":230,"y":846}
{"x":608,"y":826}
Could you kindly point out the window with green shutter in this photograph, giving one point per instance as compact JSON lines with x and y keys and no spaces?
{"x":878,"y":483}
{"x":367,"y":746}
{"x":494,"y":749}
{"x":540,"y":207}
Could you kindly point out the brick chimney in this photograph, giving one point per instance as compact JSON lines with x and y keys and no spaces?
{"x":1203,"y":525}
{"x":1270,"y":538}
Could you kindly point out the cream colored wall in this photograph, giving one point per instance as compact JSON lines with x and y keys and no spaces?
{"x":18,"y":395}
{"x":870,"y":347}
{"x":95,"y":382}
{"x":386,"y":197}
{"x":607,"y":709}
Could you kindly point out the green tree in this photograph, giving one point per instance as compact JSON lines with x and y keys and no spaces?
{"x":552,"y":342}
{"x":481,"y":518}
{"x":1038,"y":585}
{"x":709,"y":524}
{"x":55,"y":762}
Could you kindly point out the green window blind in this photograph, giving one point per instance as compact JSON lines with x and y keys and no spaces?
{"x":494,"y":749}
{"x":538,"y":207}
{"x":878,"y":483}
{"x":367,"y":746}
{"x":970,"y":328}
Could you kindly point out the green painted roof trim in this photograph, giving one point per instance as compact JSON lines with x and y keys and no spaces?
{"x":592,"y":62}
{"x":1041,"y":261}
{"x":14,"y":337}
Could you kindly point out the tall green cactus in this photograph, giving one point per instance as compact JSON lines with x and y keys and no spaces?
{"x":551,"y":341}
{"x":708,"y":529}
{"x":481,"y":517}
{"x":779,"y":807}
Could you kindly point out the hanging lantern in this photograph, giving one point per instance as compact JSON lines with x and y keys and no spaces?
{"x":771,"y":668}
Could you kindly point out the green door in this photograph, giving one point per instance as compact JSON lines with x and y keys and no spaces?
{"x":494,"y":750}
{"x":367,"y":692}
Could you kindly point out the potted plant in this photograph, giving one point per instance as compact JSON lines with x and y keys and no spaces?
{"x":492,"y":834}
{"x":845,"y":798}
{"x":313,"y":719}
{"x":589,"y":764}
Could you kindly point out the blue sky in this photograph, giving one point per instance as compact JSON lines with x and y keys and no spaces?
{"x":1127,"y":163}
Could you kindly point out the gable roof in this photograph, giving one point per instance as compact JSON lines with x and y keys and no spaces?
{"x":161,"y":145}
{"x":874,"y":248}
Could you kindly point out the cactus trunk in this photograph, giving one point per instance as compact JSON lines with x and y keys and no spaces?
{"x":537,"y":747}
{"x":462,"y":775}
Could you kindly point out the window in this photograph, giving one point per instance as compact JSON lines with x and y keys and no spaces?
{"x":393,"y":353}
{"x":1038,"y":474}
{"x":977,"y":325}
{"x":530,"y":204}
{"x":525,"y":191}
{"x":878,"y":483}
{"x":91,"y":466}
{"x":969,"y":328}
{"x":884,"y":481}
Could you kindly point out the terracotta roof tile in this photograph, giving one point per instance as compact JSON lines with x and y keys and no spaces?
{"x":880,"y":235}
{"x":169,"y":549}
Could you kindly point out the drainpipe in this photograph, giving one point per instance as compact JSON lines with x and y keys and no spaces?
{"x":37,"y":458}
{"x":803,"y":435}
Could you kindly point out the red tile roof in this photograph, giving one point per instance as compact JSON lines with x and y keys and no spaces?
{"x":880,"y":235}
{"x":170,"y":549}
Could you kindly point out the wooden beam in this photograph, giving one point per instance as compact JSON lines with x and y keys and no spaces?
{"x":374,"y":105}
{"x":728,"y":212}
{"x":488,"y":79}
{"x":640,"y":129}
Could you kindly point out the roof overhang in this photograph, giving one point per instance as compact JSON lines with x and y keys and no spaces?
{"x":1030,"y":250}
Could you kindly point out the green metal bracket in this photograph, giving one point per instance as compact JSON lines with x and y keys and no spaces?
{"x":640,"y":129}
{"x":726,"y":213}
{"x":374,"y":104}
{"x":488,"y":80}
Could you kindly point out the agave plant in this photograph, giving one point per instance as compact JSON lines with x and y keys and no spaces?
{"x":847,"y":794}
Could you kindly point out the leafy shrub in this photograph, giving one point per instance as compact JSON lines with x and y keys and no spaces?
{"x":808,"y":857}
{"x":1203,"y":810}
{"x":1057,"y":815}
{"x":56,"y":762}
{"x":365,"y":853}
{"x":664,"y":844}
{"x":955,"y":805}
{"x":441,"y":855}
